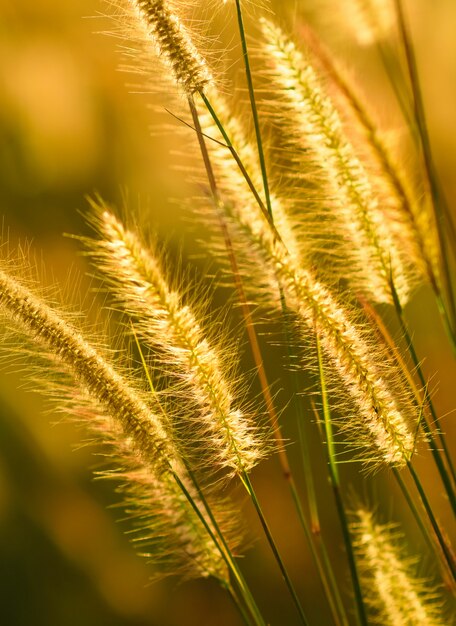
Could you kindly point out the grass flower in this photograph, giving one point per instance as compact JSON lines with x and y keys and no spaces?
{"x":341,"y":229}
{"x":156,"y":25}
{"x":370,"y":380}
{"x":368,"y":228}
{"x":134,"y":430}
{"x":396,"y":595}
{"x":219,"y":431}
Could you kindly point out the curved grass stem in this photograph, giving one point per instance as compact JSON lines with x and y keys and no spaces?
{"x":335,"y":484}
{"x":313,"y":534}
{"x":245,"y":616}
{"x":245,"y":479}
{"x":427,"y":400}
{"x":431,"y":539}
{"x":449,"y":557}
{"x":253,"y":105}
{"x":222,"y":546}
{"x":437,"y":196}
{"x":249,"y":488}
{"x":217,"y":536}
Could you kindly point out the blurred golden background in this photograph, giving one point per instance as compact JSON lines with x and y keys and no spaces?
{"x":69,"y":127}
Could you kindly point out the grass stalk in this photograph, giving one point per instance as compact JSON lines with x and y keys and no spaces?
{"x":428,"y":401}
{"x":430,"y":539}
{"x":245,"y":478}
{"x":325,"y":569}
{"x":239,"y":163}
{"x":330,"y":588}
{"x":249,"y":488}
{"x":223,"y":548}
{"x":428,"y":161}
{"x":449,"y":557}
{"x":335,"y":484}
{"x":217,"y":536}
{"x":313,"y":535}
{"x":239,"y":606}
{"x":253,"y":106}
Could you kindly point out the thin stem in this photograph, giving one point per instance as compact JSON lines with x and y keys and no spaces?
{"x":238,"y":604}
{"x":445,"y":548}
{"x":335,"y":483}
{"x":431,"y":540}
{"x":239,"y":163}
{"x":313,"y":534}
{"x":239,"y":577}
{"x":256,"y":121}
{"x":427,"y":399}
{"x":256,"y":351}
{"x":223,"y":548}
{"x":430,"y":171}
{"x":325,"y":570}
{"x":249,"y":488}
{"x":420,"y":401}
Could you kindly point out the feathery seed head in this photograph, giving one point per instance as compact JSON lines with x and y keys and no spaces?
{"x":162,"y":27}
{"x":370,"y":21}
{"x":133,"y":431}
{"x":359,"y":366}
{"x":367,"y":228}
{"x":165,"y":323}
{"x":394,"y":592}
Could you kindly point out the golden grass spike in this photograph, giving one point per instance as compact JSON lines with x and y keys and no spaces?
{"x":157,"y":23}
{"x":368,"y":376}
{"x":366,"y":225}
{"x":133,"y":431}
{"x":224,"y":435}
{"x":370,"y":21}
{"x":392,"y":589}
{"x":415,"y":223}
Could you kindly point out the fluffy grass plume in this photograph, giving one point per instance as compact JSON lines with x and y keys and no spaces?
{"x":396,"y":595}
{"x":369,"y":378}
{"x":415,"y":226}
{"x":370,"y":21}
{"x":157,"y":28}
{"x":134,"y":429}
{"x":372,"y":250}
{"x":220,"y":431}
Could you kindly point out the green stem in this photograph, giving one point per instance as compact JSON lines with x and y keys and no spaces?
{"x":253,"y":105}
{"x":430,"y":171}
{"x":292,"y":486}
{"x":431,"y":540}
{"x":325,"y":569}
{"x":239,"y":577}
{"x":223,"y":547}
{"x":238,"y":604}
{"x":314,"y":533}
{"x":427,"y":398}
{"x":249,"y":488}
{"x":232,"y":564}
{"x":335,"y":484}
{"x":445,"y":548}
{"x":239,"y":163}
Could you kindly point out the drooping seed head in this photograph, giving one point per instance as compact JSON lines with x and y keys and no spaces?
{"x":392,"y":589}
{"x":172,"y":43}
{"x":381,"y":420}
{"x":224,"y":434}
{"x":135,"y":434}
{"x":362,"y":227}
